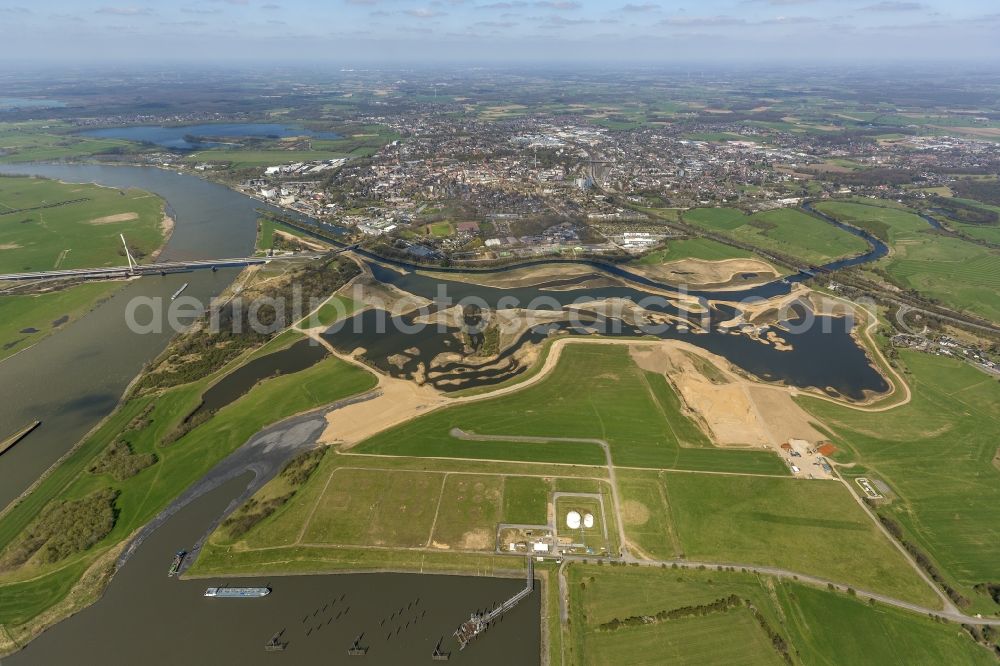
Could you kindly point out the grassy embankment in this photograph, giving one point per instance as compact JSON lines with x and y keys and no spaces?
{"x":938,"y":456}
{"x":788,"y":231}
{"x":814,"y":625}
{"x":950,"y":271}
{"x":80,"y":234}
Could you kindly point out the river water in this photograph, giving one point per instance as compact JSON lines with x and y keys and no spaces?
{"x":71,"y":380}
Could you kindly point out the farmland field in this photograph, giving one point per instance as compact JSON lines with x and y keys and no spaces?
{"x":817,"y":625}
{"x":785,"y":230}
{"x":955,"y":272}
{"x":596,"y":391}
{"x":936,"y":454}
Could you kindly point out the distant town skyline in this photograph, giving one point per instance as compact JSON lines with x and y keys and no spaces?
{"x":500,"y":30}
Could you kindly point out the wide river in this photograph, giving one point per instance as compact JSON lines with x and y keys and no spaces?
{"x":73,"y":379}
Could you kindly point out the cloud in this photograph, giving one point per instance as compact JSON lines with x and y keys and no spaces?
{"x":790,"y":20}
{"x":645,"y":7}
{"x":270,"y":6}
{"x":125,"y":11}
{"x":558,"y":4}
{"x":894,"y":6}
{"x":702,"y":20}
{"x":423,"y":13}
{"x":15,"y":10}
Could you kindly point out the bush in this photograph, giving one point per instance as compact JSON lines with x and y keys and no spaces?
{"x":65,"y":528}
{"x":121,"y":462}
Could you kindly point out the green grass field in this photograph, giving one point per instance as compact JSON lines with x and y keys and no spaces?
{"x":27,"y":319}
{"x":951,"y":271}
{"x":40,"y":141}
{"x":31,"y":589}
{"x":357,"y":503}
{"x":691,"y":248}
{"x":936,"y":454}
{"x":820,"y":627}
{"x":815,"y":527}
{"x":596,"y":391}
{"x":74,"y":235}
{"x":785,"y":230}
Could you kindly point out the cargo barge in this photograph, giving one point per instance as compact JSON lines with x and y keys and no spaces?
{"x":237,"y":592}
{"x":175,"y":567}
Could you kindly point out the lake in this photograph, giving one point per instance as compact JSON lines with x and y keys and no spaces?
{"x":177,"y":137}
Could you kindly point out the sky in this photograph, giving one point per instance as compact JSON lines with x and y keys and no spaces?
{"x":480,"y":31}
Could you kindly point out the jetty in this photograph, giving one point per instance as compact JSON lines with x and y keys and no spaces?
{"x":275,"y":644}
{"x":356,"y":649}
{"x":479,"y":622}
{"x":17,"y":437}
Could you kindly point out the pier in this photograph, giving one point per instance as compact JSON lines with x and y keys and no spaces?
{"x":17,"y":437}
{"x":480,"y":622}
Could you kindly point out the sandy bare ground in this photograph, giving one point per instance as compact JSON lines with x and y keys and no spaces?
{"x":111,"y":219}
{"x":292,"y":238}
{"x":734,"y":410}
{"x":9,"y":246}
{"x":700,"y":272}
{"x":521,"y":277}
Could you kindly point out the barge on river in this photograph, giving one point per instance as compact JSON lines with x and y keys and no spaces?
{"x":237,"y":592}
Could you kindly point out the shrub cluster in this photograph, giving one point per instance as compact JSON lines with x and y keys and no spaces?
{"x":65,"y":528}
{"x":121,"y":462}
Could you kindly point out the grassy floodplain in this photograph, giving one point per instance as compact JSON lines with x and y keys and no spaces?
{"x":28,"y":318}
{"x":786,"y":230}
{"x":936,"y":455}
{"x":36,"y":586}
{"x":952,"y":271}
{"x":705,"y":249}
{"x":80,"y":234}
{"x":40,"y":141}
{"x":819,"y":627}
{"x":815,"y":527}
{"x":596,"y":391}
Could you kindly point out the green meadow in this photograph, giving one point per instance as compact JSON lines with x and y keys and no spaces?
{"x":937,"y":456}
{"x":81,"y":234}
{"x":41,"y":141}
{"x":948,"y":270}
{"x":595,"y":391}
{"x":815,"y":527}
{"x":691,"y":248}
{"x":786,"y":230}
{"x":816,"y":625}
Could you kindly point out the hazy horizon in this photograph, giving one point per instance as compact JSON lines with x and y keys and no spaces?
{"x":488,"y":31}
